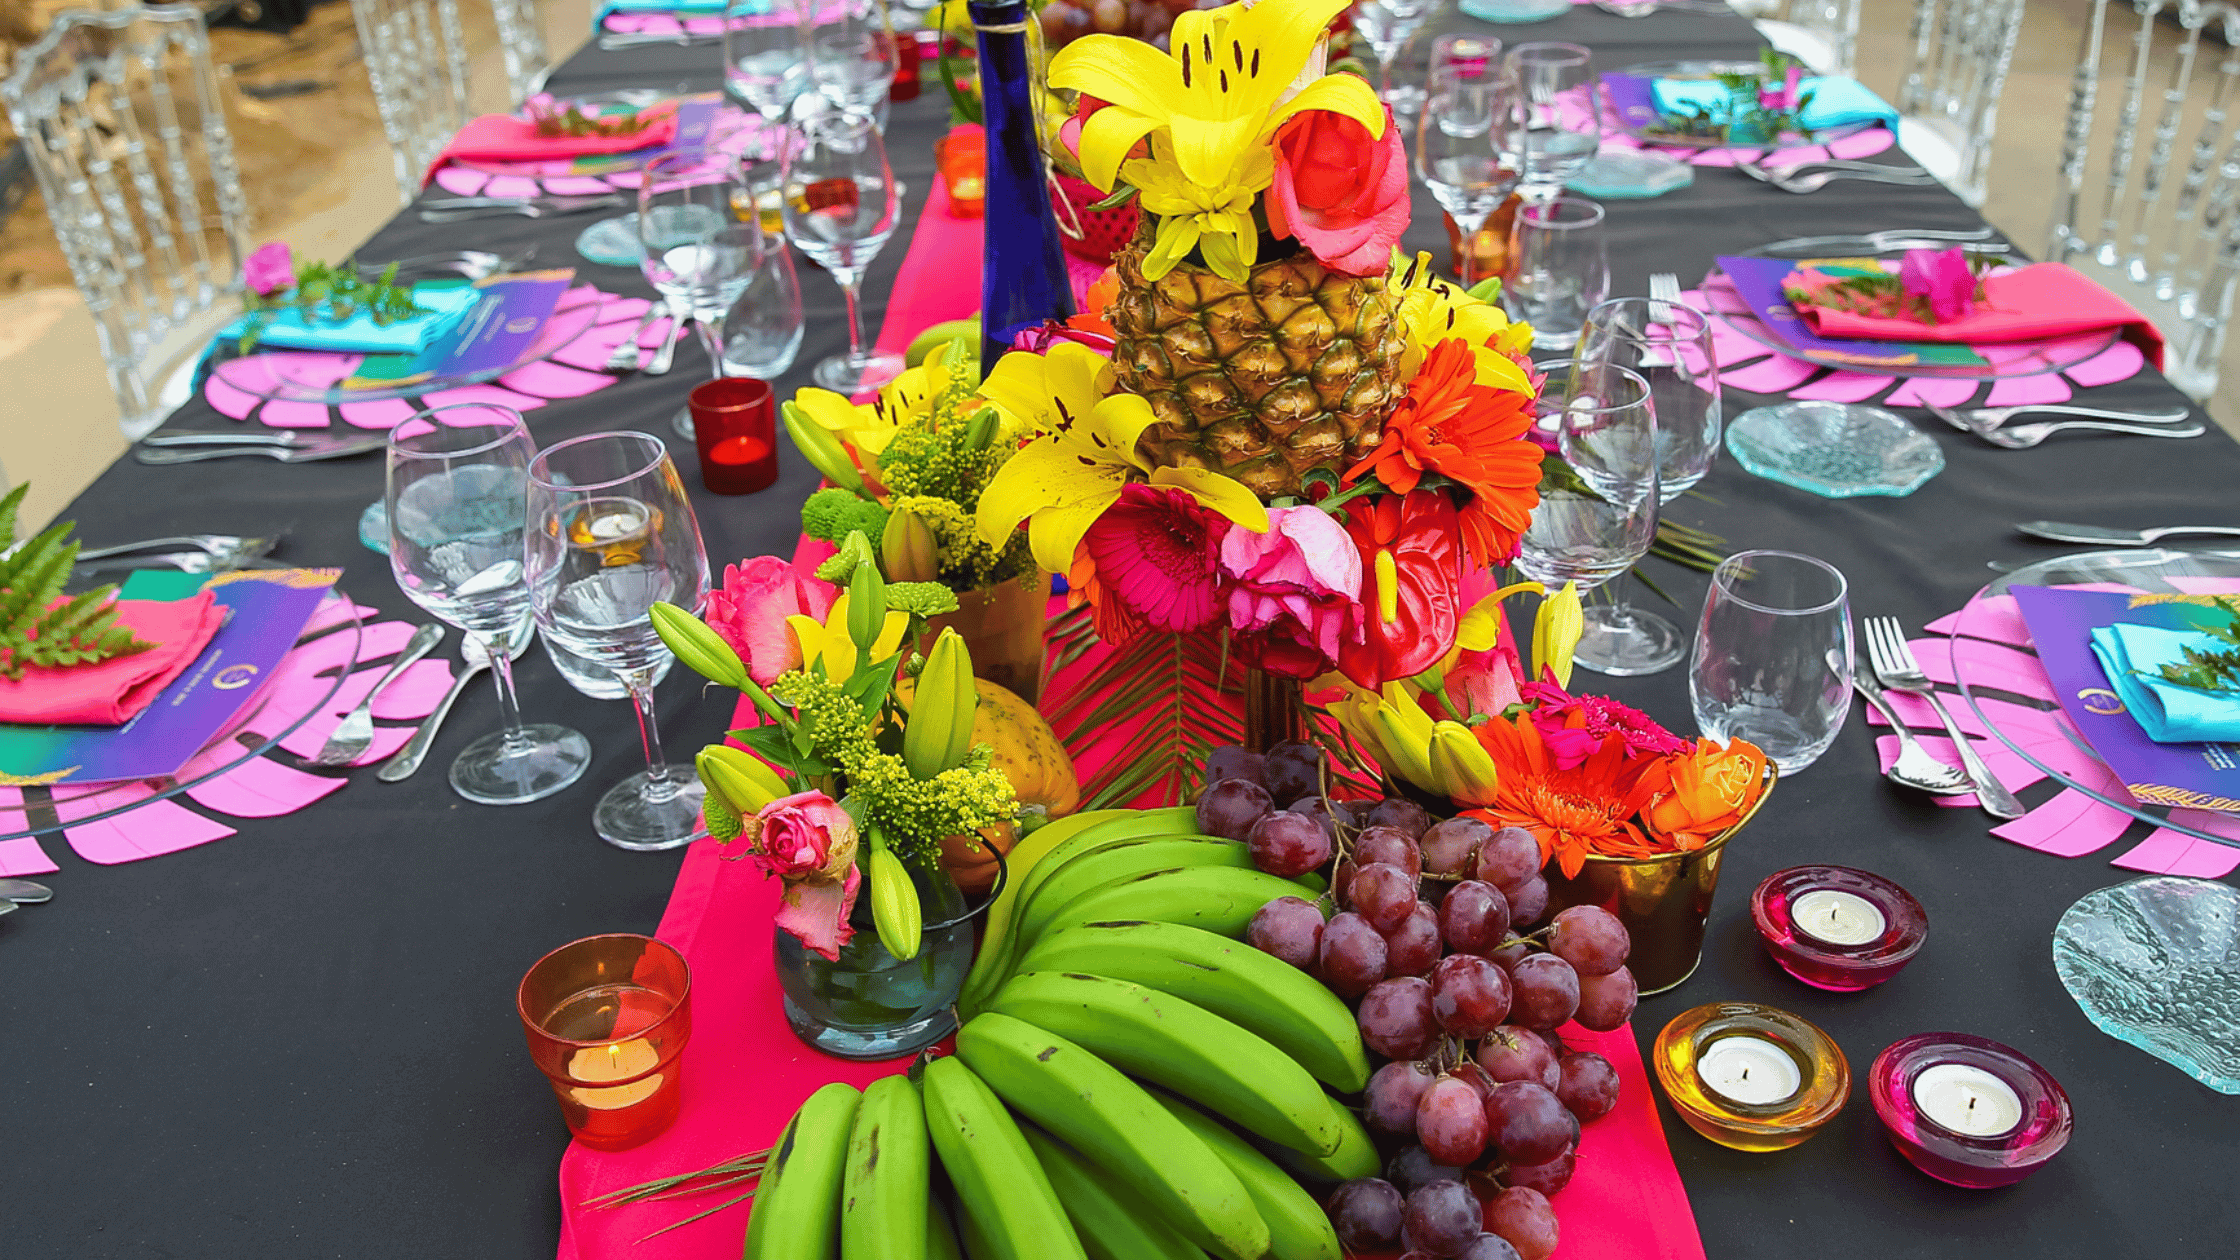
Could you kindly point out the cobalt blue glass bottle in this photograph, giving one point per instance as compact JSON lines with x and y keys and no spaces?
{"x":1023,"y":268}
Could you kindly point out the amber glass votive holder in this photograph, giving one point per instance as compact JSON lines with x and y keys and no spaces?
{"x":1823,"y":1076}
{"x":962,"y":159}
{"x":1979,"y":1161}
{"x":1837,"y":964}
{"x":735,"y":427}
{"x":607,"y":1018}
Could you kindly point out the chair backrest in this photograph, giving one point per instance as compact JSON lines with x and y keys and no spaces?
{"x":2166,"y":240}
{"x":522,"y":41}
{"x":1823,"y":34}
{"x":416,"y":56}
{"x":1949,"y":104}
{"x":121,"y":116}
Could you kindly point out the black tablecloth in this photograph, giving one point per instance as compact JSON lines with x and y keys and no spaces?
{"x":300,"y":1041}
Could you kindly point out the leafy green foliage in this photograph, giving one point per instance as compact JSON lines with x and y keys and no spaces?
{"x":2217,"y":670}
{"x":331,"y":293}
{"x":34,"y":628}
{"x":1745,"y":117}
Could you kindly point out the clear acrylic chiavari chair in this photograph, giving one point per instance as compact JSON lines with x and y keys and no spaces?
{"x":121,"y":116}
{"x":416,"y":56}
{"x":522,"y":42}
{"x":1948,"y":105}
{"x":2151,"y":214}
{"x":1823,"y":34}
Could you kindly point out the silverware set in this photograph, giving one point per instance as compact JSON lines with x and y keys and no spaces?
{"x":291,"y":446}
{"x":1896,"y":668}
{"x":648,"y":39}
{"x":211,"y":553}
{"x":1991,"y":423}
{"x":1811,"y":177}
{"x":462,"y":209}
{"x":2100,"y":536}
{"x":349,"y":741}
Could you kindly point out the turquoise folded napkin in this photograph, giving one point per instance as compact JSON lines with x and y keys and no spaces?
{"x":445,"y":303}
{"x":664,"y":6}
{"x":1836,"y":102}
{"x":2169,"y":714}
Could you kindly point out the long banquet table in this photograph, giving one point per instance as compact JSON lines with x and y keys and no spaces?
{"x":299,"y":1042}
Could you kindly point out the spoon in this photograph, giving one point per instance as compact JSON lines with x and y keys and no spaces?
{"x":402,"y":766}
{"x":23,"y":891}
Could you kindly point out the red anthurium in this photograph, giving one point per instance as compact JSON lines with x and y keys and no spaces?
{"x":1411,"y":577}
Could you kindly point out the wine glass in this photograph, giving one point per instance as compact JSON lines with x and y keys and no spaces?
{"x":1558,"y":268}
{"x":1773,"y":656}
{"x":765,"y":56}
{"x":1388,"y":25}
{"x":840,"y":210}
{"x":1669,"y":345}
{"x":702,"y":241}
{"x":611,"y":533}
{"x":852,"y":53}
{"x":1594,"y":525}
{"x":1466,"y":142}
{"x":456,"y":502}
{"x":1563,"y":128}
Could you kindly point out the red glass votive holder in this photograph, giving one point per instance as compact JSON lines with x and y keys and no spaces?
{"x":735,"y":426}
{"x":607,"y":1018}
{"x":962,"y":158}
{"x":1967,"y":1110}
{"x":1837,"y":928}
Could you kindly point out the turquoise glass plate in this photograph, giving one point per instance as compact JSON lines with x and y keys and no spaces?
{"x":2155,"y":963}
{"x":1837,"y":450}
{"x":1511,"y":12}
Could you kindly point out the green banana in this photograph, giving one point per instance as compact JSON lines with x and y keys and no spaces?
{"x":1233,"y":980}
{"x":884,"y":1200}
{"x":938,"y":735}
{"x":1298,"y":1228}
{"x":1123,"y":859}
{"x":817,"y":445}
{"x":797,"y":1203}
{"x":1112,"y":1223}
{"x":907,"y":548}
{"x":1356,"y":1155}
{"x":1220,"y":899}
{"x":1003,"y":1194}
{"x":941,"y":1237}
{"x":1088,"y":1103}
{"x":696,"y":643}
{"x":1188,"y":1049}
{"x":894,"y":904}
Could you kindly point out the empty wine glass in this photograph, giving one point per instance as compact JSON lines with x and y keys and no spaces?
{"x":611,"y":533}
{"x":456,"y":504}
{"x":852,"y":53}
{"x":1388,"y":25}
{"x":701,"y":238}
{"x":840,"y":210}
{"x":1669,"y":345}
{"x":1563,"y":128}
{"x":1559,"y":269}
{"x":1594,"y":525}
{"x":1466,"y":142}
{"x":765,"y":56}
{"x":1773,"y":656}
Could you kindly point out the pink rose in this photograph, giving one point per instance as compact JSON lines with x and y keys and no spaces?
{"x":749,"y":612}
{"x":1487,"y":681}
{"x":1295,"y":590}
{"x":270,"y":270}
{"x":810,"y":843}
{"x":1341,"y":192}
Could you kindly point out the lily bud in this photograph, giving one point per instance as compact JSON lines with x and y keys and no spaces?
{"x":908,"y":550}
{"x":1556,"y":630}
{"x":820,"y":448}
{"x":742,"y":782}
{"x":867,"y":606}
{"x":702,"y":650}
{"x":1464,"y":768}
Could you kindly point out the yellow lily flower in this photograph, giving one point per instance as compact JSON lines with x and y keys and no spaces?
{"x":1556,"y":629}
{"x":1062,"y":482}
{"x":1434,"y":310}
{"x":829,"y":642}
{"x":1480,"y":628}
{"x":861,"y":427}
{"x":1046,"y":393}
{"x":1208,"y":105}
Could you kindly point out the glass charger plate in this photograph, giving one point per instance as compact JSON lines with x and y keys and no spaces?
{"x":1642,"y":122}
{"x":2055,"y":748}
{"x":257,"y":730}
{"x":315,"y":376}
{"x":2156,"y":963}
{"x":2021,"y":358}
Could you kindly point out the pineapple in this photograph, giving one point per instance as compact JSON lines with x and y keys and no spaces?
{"x":1294,"y":370}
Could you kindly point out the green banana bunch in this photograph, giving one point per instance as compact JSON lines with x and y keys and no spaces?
{"x":884,"y":1198}
{"x":1356,"y":1155}
{"x":817,"y":445}
{"x":1160,"y":1038}
{"x":907,"y":548}
{"x":1003,"y":1195}
{"x":1124,"y":859}
{"x":1095,"y":1109}
{"x":894,"y":901}
{"x":1461,"y":768}
{"x":1298,"y":1228}
{"x":1220,"y":899}
{"x":1112,"y":1223}
{"x":696,"y":643}
{"x":1257,"y":991}
{"x":938,"y":735}
{"x":738,"y":785}
{"x":941,"y":1236}
{"x":797,"y":1203}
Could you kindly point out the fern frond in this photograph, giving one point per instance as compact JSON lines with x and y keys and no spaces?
{"x":38,"y":626}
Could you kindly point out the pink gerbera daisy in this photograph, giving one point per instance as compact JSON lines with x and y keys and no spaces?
{"x":1158,"y":554}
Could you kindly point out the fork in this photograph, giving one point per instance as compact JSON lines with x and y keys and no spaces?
{"x":630,"y":356}
{"x":215,"y":544}
{"x":183,"y":561}
{"x":351,"y":739}
{"x":526,"y":209}
{"x":2022,"y":436}
{"x":340,"y":449}
{"x":1985,"y":419}
{"x":1914,"y":768}
{"x":1895,"y":666}
{"x":679,"y":320}
{"x":1814,"y":181}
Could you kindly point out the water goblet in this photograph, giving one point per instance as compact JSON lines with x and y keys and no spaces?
{"x":1599,"y":524}
{"x":1563,"y":128}
{"x":611,"y":533}
{"x":702,"y":241}
{"x":1466,"y":143}
{"x":765,"y":56}
{"x":1773,"y":656}
{"x":1388,"y":25}
{"x":456,"y":503}
{"x":1559,"y":269}
{"x":840,"y":208}
{"x":852,"y":53}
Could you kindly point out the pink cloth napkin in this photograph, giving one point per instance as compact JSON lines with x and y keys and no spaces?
{"x":2033,"y":303}
{"x":508,"y":138}
{"x":114,"y":691}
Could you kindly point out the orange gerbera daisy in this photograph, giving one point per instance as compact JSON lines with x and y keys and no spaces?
{"x":1449,"y":424}
{"x":1587,"y":809}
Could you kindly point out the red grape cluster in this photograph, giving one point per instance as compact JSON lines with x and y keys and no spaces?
{"x":1481,"y":1096}
{"x":1064,"y":21}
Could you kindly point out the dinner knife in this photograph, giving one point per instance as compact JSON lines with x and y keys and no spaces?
{"x":238,"y":437}
{"x":301,"y":453}
{"x":2056,"y":531}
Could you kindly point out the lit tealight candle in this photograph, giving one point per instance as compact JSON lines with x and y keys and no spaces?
{"x":1749,"y":1070}
{"x":613,"y":1062}
{"x":1967,"y":1099}
{"x":1838,"y":918}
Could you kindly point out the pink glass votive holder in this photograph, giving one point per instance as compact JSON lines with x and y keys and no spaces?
{"x":1838,"y":928}
{"x":1967,"y":1110}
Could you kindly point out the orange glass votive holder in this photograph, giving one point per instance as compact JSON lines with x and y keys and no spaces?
{"x":962,"y":158}
{"x":1749,"y":1076}
{"x":607,"y":1018}
{"x":735,"y":427}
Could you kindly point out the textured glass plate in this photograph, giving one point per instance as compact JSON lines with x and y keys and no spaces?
{"x":611,"y":242}
{"x":1622,"y":175}
{"x":2156,"y":963}
{"x":1837,"y":450}
{"x":1512,"y":12}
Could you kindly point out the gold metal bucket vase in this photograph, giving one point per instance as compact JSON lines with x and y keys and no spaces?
{"x":1002,"y":627}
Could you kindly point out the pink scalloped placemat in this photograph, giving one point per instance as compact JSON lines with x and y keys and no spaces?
{"x":263,"y":786}
{"x":1996,"y":654}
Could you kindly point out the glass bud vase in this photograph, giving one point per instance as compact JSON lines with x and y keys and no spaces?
{"x":869,"y":1004}
{"x":1023,"y":279}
